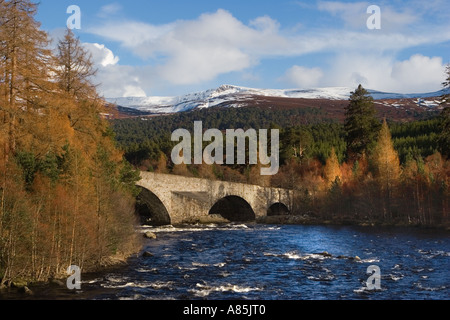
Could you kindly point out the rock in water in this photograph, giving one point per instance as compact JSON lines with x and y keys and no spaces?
{"x":26,"y":291}
{"x":150,"y":235}
{"x":147,"y":254}
{"x":57,"y":282}
{"x":19,"y":283}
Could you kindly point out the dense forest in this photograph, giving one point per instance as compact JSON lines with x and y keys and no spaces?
{"x":66,"y":193}
{"x":364,"y":169}
{"x":146,"y":139}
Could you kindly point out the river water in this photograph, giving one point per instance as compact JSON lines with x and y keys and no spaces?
{"x":267,"y":262}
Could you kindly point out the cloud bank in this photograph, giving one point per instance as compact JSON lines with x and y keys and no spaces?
{"x":193,"y":52}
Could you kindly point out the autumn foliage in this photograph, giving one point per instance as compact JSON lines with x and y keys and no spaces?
{"x":371,"y":186}
{"x":65,"y":192}
{"x":366,"y":184}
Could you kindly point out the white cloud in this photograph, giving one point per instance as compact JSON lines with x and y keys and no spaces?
{"x":303,"y":77}
{"x":141,"y":38}
{"x":121,"y":81}
{"x":117,"y":80}
{"x":414,"y":75}
{"x":195,"y":65}
{"x":265,"y":24}
{"x":393,"y":20}
{"x":261,"y":38}
{"x":355,"y":15}
{"x":198,"y":51}
{"x":133,"y":91}
{"x":419,"y":73}
{"x":109,"y":9}
{"x":101,"y":55}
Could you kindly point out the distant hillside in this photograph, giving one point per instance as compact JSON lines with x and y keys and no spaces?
{"x":325,"y":103}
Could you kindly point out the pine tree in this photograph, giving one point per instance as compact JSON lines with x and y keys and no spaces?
{"x":444,"y":138}
{"x":446,"y":83}
{"x":361,"y":125}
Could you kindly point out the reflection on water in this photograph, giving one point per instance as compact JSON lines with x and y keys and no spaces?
{"x":239,"y":261}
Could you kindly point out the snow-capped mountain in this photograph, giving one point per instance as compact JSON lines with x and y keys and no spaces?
{"x":235,"y":96}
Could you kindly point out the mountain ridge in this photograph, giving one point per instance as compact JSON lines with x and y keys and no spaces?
{"x":237,"y":96}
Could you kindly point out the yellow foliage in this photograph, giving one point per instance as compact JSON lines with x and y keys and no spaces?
{"x":63,"y":196}
{"x":332,"y":170}
{"x":386,"y":160}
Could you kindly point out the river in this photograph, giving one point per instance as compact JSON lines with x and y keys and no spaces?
{"x":271,"y":262}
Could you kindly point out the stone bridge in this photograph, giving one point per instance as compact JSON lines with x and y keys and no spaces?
{"x":170,"y":199}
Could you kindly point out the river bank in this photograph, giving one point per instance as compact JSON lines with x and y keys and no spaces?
{"x":310,"y":220}
{"x":56,"y":289}
{"x":22,"y":288}
{"x":315,"y":221}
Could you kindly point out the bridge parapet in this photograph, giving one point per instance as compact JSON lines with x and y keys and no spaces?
{"x":187,"y":198}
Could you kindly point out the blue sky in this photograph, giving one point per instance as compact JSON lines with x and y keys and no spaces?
{"x":166,"y":48}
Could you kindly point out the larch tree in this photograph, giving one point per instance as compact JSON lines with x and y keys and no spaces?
{"x":64,"y":189}
{"x":386,"y":165}
{"x":75,"y":67}
{"x":25,"y":93}
{"x":255,"y":177}
{"x":332,"y":169}
{"x":102,"y":164}
{"x":25,"y":65}
{"x":361,"y":125}
{"x":74,"y":72}
{"x":161,"y":166}
{"x":4,"y":111}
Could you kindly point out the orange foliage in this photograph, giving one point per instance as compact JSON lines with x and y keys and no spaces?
{"x":61,"y":198}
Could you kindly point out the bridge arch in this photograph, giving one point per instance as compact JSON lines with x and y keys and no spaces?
{"x":278,"y":209}
{"x":150,"y":209}
{"x":233,"y":208}
{"x":177,"y":200}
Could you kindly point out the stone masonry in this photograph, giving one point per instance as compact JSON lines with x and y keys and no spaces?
{"x":188,"y":198}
